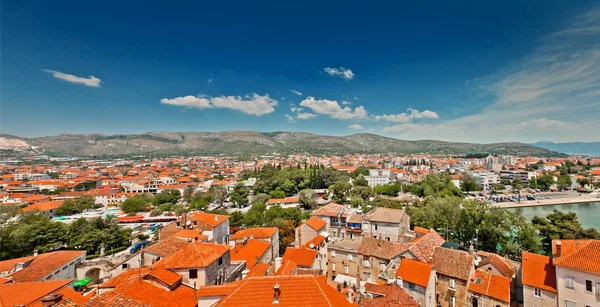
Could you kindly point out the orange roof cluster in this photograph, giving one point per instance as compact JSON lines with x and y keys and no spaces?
{"x":29,"y":293}
{"x":195,"y":255}
{"x":283,"y":200}
{"x":583,"y":255}
{"x":414,"y":271}
{"x":538,"y":271}
{"x":110,"y":299}
{"x":316,"y":223}
{"x":190,"y":234}
{"x":302,"y":256}
{"x":256,"y":233}
{"x":44,"y":206}
{"x":251,"y":252}
{"x":212,"y":220}
{"x":165,"y":276}
{"x":299,"y":290}
{"x":38,"y":267}
{"x":491,"y":285}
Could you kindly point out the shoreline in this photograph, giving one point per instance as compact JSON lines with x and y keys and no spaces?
{"x":550,"y":202}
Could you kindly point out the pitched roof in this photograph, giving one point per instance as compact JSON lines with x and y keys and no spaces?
{"x":44,"y":264}
{"x":538,"y":271}
{"x":331,"y":209}
{"x":491,"y":285}
{"x":318,"y":239}
{"x":149,"y":292}
{"x":190,"y":234}
{"x":44,"y":206}
{"x":453,"y":263}
{"x":387,"y":295}
{"x":195,"y":255}
{"x":316,"y":223}
{"x":250,"y":252}
{"x":414,"y":271}
{"x":385,"y":215}
{"x":256,"y":233}
{"x":583,"y":255}
{"x":260,"y":269}
{"x":24,"y":293}
{"x":166,"y":247}
{"x":165,"y":276}
{"x":421,"y":230}
{"x":302,"y":256}
{"x":423,"y":248}
{"x":382,"y":249}
{"x":110,"y":299}
{"x":212,"y":220}
{"x":504,"y":266}
{"x":298,"y":290}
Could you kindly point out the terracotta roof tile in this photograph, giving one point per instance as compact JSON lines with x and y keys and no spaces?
{"x":501,"y":264}
{"x":491,"y":285}
{"x":386,"y":215}
{"x":212,"y":220}
{"x":331,"y":210}
{"x":300,"y":290}
{"x":538,"y":271}
{"x":44,"y":206}
{"x":301,"y":256}
{"x":166,"y":247}
{"x":260,"y":269}
{"x":24,"y":293}
{"x":110,"y":299}
{"x":453,"y":263}
{"x":382,"y":249}
{"x":387,"y":296}
{"x":583,"y":255}
{"x":256,"y":233}
{"x":44,"y":264}
{"x":316,"y":223}
{"x":165,"y":276}
{"x":190,"y":234}
{"x":414,"y":271}
{"x":250,"y":252}
{"x":423,"y":248}
{"x":195,"y":255}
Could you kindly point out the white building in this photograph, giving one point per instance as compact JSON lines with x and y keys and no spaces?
{"x":577,"y":272}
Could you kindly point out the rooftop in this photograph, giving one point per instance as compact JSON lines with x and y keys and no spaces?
{"x":38,"y":267}
{"x":583,"y":255}
{"x":538,"y":271}
{"x":195,"y":255}
{"x":384,"y":215}
{"x":254,"y":233}
{"x":491,"y":285}
{"x":453,"y":263}
{"x":414,"y":271}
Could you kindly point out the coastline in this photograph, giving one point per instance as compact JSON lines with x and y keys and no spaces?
{"x":587,"y":198}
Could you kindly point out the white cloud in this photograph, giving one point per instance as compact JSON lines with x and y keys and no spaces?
{"x":553,"y":94}
{"x":255,"y":105}
{"x":346,"y":103}
{"x":209,"y":81}
{"x":306,"y":115}
{"x":407,"y":116}
{"x":296,"y":92}
{"x":355,"y":98}
{"x":333,"y":109}
{"x":89,"y":81}
{"x":341,"y":72}
{"x":356,"y":127}
{"x":290,"y":118}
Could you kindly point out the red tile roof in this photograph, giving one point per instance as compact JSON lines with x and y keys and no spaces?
{"x":453,"y":263}
{"x":44,"y":206}
{"x":387,"y":296}
{"x":24,"y":293}
{"x":382,"y":249}
{"x":583,"y":255}
{"x":212,"y":220}
{"x":538,"y":271}
{"x":254,"y":233}
{"x":423,"y":248}
{"x":165,"y":276}
{"x":299,"y":290}
{"x":166,"y":247}
{"x":110,"y":299}
{"x":250,"y":252}
{"x":43,"y":265}
{"x":504,"y":266}
{"x":316,"y":223}
{"x":491,"y":285}
{"x":331,"y":209}
{"x":195,"y":255}
{"x":414,"y":271}
{"x":316,"y":241}
{"x":260,"y":269}
{"x":301,"y":256}
{"x":190,"y":234}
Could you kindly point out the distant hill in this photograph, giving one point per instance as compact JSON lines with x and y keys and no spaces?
{"x":573,"y":148}
{"x":246,"y":143}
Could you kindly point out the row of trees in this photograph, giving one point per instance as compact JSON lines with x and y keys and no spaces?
{"x":32,"y":231}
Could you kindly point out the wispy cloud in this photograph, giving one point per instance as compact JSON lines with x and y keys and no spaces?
{"x":407,"y":116}
{"x":333,"y":109}
{"x":296,"y":92}
{"x":254,"y":105}
{"x":290,"y":118}
{"x":356,"y":127}
{"x":89,"y":81}
{"x":305,"y":115}
{"x":553,"y":93}
{"x":209,"y":81}
{"x":341,"y":72}
{"x":355,"y":98}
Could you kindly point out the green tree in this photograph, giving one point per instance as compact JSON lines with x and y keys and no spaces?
{"x":391,"y":189}
{"x":545,"y":182}
{"x":260,"y":198}
{"x":561,"y":225}
{"x":239,"y":195}
{"x":308,"y":198}
{"x":166,"y":196}
{"x":276,"y":194}
{"x":340,"y":191}
{"x":468,"y":183}
{"x":359,"y":171}
{"x":200,"y":200}
{"x":563,"y":182}
{"x":583,"y":182}
{"x":236,"y":219}
{"x":217,"y":194}
{"x":360,"y":181}
{"x":363,"y":192}
{"x":136,"y":203}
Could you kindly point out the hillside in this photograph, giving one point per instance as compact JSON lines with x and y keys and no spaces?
{"x":245,"y":143}
{"x":573,"y":148}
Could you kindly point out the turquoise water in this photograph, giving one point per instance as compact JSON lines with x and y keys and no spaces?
{"x":587,"y":213}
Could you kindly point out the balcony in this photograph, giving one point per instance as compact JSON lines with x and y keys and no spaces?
{"x":354,"y":229}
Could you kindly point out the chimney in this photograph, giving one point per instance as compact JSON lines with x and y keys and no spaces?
{"x":51,"y":299}
{"x":276,"y":294}
{"x":277,"y":263}
{"x":471,"y":250}
{"x":35,"y":253}
{"x":558,"y":249}
{"x":379,"y":242}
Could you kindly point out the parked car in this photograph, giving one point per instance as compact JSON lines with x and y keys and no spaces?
{"x":136,"y":248}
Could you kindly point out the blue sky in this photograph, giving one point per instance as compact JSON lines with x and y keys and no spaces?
{"x":476,"y":72}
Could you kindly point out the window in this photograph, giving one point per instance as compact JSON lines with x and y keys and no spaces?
{"x":333,"y":266}
{"x":475,"y":302}
{"x":452,"y":284}
{"x":570,"y":282}
{"x":332,"y":254}
{"x":366,"y":263}
{"x":193,"y":273}
{"x":346,"y":270}
{"x":178,"y":224}
{"x":375,"y":226}
{"x":411,"y":286}
{"x":382,"y":266}
{"x":124,"y":266}
{"x":350,"y":257}
{"x":537,"y":292}
{"x":387,"y":238}
{"x":220,"y":261}
{"x":452,"y":301}
{"x":570,"y":304}
{"x":588,"y":286}
{"x":367,"y":276}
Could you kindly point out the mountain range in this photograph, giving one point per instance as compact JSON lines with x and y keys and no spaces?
{"x":573,"y":148}
{"x":245,"y":143}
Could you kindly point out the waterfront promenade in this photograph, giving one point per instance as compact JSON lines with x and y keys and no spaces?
{"x":580,"y":198}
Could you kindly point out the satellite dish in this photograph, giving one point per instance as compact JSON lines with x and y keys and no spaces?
{"x":188,"y":223}
{"x":312,"y":245}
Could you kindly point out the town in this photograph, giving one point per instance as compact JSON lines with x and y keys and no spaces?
{"x":298,"y":230}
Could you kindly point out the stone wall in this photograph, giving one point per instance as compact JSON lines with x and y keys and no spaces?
{"x":548,"y":299}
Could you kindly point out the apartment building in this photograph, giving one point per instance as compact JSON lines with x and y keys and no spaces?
{"x":386,"y":223}
{"x":418,"y":280}
{"x":454,"y":269}
{"x":335,"y":216}
{"x":577,"y":265}
{"x":539,"y":281}
{"x":344,"y":262}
